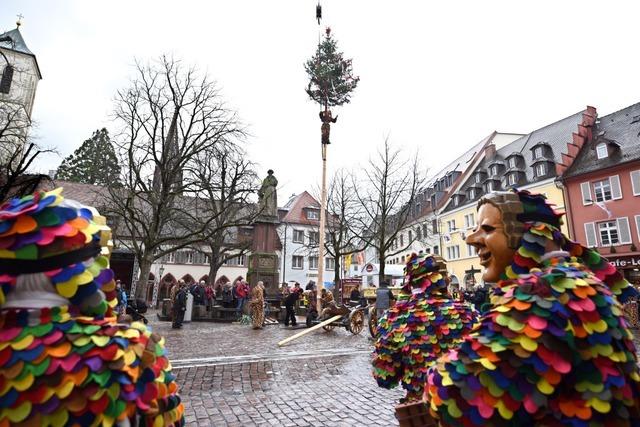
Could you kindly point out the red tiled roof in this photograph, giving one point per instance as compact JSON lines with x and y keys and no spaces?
{"x":297,"y":212}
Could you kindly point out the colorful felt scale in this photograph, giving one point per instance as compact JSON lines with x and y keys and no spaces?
{"x":423,"y":324}
{"x":74,"y":365}
{"x":554,"y":349}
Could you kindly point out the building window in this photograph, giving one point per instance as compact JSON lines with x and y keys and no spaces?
{"x":298,"y":236}
{"x":538,"y":152}
{"x":471,"y":251}
{"x":494,"y":170}
{"x":330,"y":264}
{"x":469,"y":221}
{"x":297,"y":262}
{"x":200,"y":258}
{"x":602,"y":190}
{"x":184,"y":257}
{"x":451,"y":225}
{"x":436,"y":250}
{"x":313,"y":262}
{"x":236,"y":261}
{"x":456,"y":200}
{"x":453,"y":252}
{"x":472,"y":193}
{"x":313,"y":214}
{"x":401,"y":240}
{"x":489,"y":186}
{"x":433,"y":201}
{"x":418,"y":232}
{"x":434,"y":226}
{"x":513,"y":162}
{"x":410,"y":236}
{"x":478,"y":178}
{"x":425,"y":230}
{"x":540,"y":169}
{"x":314,"y":237}
{"x":427,"y":251}
{"x":512,"y":178}
{"x":7,"y":77}
{"x":601,"y":151}
{"x":608,"y":233}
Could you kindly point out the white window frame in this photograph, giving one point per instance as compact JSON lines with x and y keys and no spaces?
{"x":297,"y":233}
{"x":299,"y":265}
{"x":635,"y":178}
{"x":471,"y":250}
{"x":599,"y":153}
{"x":313,"y":214}
{"x":469,"y":221}
{"x":512,"y":179}
{"x":472,"y":193}
{"x":601,"y":186}
{"x":494,"y":170}
{"x":313,"y":262}
{"x":314,"y":237}
{"x":490,"y":186}
{"x":540,"y":169}
{"x":330,"y":263}
{"x":478,"y":178}
{"x":513,"y":162}
{"x":538,"y":152}
{"x":609,"y":229}
{"x":451,"y":225}
{"x":637,"y":220}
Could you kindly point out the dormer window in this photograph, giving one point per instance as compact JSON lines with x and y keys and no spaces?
{"x":602,"y":151}
{"x":313,"y":214}
{"x":494,"y":169}
{"x":489,"y":186}
{"x":472,"y":193}
{"x":512,"y":179}
{"x":513,"y":162}
{"x":540,"y":169}
{"x":538,"y":152}
{"x":478,"y":178}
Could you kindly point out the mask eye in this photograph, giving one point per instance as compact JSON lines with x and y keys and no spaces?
{"x":488,"y":228}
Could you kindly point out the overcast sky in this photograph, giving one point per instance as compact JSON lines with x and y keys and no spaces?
{"x":435,"y":76}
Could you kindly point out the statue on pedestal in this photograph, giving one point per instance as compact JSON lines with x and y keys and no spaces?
{"x":268,"y":196}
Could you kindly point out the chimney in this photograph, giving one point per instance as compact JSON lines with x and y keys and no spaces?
{"x":490,"y":151}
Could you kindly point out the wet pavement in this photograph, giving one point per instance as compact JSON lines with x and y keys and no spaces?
{"x":232,"y":375}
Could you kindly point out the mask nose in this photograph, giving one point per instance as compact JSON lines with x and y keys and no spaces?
{"x":475,"y":238}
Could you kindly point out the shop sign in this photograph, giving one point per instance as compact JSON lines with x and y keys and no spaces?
{"x":369,"y":268}
{"x":628,"y":261}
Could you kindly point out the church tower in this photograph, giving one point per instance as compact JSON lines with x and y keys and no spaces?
{"x":19,"y":77}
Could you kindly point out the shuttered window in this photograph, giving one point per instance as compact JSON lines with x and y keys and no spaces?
{"x":616,"y":192}
{"x":635,"y":182}
{"x":623,"y":230}
{"x":590,"y":232}
{"x":638,"y":225}
{"x":609,"y":234}
{"x":585,"y":187}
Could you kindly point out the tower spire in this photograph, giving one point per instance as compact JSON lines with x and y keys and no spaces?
{"x":19,"y":21}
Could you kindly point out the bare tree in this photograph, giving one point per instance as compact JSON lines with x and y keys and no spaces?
{"x":387,"y":195}
{"x":344,"y":217}
{"x":167,"y":115}
{"x":227,"y":182}
{"x":18,"y":151}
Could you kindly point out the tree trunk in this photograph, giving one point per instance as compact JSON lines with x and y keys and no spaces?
{"x":381,"y":260}
{"x":213,"y":271}
{"x":143,"y":279}
{"x":337,"y":287}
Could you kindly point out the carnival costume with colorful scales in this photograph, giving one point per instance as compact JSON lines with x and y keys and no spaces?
{"x":64,"y":359}
{"x":423,"y":324}
{"x":554,"y":349}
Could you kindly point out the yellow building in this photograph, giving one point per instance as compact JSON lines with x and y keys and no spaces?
{"x":528,"y":163}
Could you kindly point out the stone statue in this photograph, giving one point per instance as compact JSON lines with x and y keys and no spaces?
{"x":268,"y":196}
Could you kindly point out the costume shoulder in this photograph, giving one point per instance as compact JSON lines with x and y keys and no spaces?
{"x":553,"y":349}
{"x":60,"y":370}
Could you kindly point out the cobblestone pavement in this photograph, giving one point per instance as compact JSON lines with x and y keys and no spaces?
{"x":232,"y":375}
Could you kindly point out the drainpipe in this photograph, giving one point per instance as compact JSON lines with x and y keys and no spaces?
{"x":567,"y":207}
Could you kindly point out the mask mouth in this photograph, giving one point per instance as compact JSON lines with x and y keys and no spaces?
{"x":485,"y":258}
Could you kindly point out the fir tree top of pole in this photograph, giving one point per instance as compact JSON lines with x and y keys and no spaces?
{"x":331,"y":78}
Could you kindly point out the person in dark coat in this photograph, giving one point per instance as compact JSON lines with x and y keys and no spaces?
{"x":179,"y":307}
{"x":289,"y":302}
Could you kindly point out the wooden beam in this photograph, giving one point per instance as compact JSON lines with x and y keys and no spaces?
{"x":306,"y":331}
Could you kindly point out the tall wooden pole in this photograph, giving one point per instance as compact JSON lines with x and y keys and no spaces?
{"x":323,"y":219}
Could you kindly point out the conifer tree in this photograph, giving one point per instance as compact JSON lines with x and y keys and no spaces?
{"x":94,"y":162}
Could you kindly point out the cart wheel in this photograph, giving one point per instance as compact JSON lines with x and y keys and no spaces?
{"x":373,"y":321}
{"x":356,"y":322}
